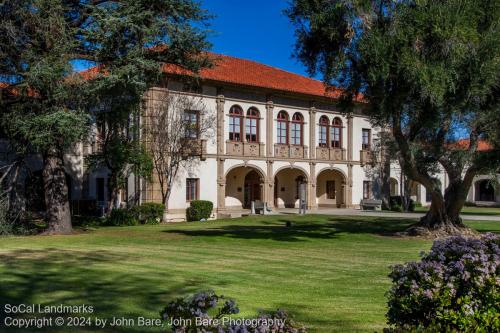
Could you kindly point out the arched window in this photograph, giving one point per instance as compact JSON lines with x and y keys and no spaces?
{"x":323,"y":131}
{"x":252,"y":125}
{"x":282,"y":128}
{"x":297,"y":129}
{"x":235,"y":119}
{"x":336,"y":133}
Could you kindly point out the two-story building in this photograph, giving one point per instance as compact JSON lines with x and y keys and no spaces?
{"x":275,"y":130}
{"x":275,"y":133}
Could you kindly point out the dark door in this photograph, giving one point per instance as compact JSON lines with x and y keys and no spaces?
{"x":100,"y":189}
{"x":252,"y":189}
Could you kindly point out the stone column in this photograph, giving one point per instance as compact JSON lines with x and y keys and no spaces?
{"x":312,"y":131}
{"x":269,"y":126}
{"x":350,"y":141}
{"x":311,"y":187}
{"x":348,"y":201}
{"x":221,"y":186}
{"x":269,"y":184}
{"x":220,"y":121}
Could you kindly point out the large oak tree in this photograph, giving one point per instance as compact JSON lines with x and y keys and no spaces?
{"x":48,"y":105}
{"x":430,"y":72}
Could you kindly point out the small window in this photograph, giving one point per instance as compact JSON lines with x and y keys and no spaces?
{"x":366,"y":139}
{"x":323,"y":131}
{"x":330,"y":189}
{"x":282,"y":128}
{"x":192,"y":189}
{"x":367,"y":189}
{"x":252,"y":125}
{"x":191,"y":123}
{"x":297,"y":129}
{"x":235,"y":123}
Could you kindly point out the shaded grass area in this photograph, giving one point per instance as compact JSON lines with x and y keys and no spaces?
{"x":470,"y":210}
{"x":329,"y":272}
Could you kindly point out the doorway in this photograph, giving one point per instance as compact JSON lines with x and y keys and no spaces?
{"x":251,"y":188}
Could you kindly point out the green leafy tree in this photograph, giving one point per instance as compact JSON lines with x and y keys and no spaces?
{"x":430,"y":71}
{"x":46,"y":107}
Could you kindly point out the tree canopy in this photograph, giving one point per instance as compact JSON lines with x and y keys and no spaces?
{"x":49,"y":105}
{"x":430,"y":71}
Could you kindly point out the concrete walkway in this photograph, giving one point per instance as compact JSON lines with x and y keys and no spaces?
{"x":357,"y":212}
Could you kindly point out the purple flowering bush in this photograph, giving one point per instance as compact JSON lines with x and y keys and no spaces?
{"x":455,"y":287}
{"x":203,"y":313}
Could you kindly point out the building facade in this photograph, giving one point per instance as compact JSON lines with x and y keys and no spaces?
{"x":275,"y":133}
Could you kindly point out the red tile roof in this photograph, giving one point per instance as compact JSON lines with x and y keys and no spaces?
{"x":482,"y":145}
{"x":249,"y":73}
{"x":244,"y":72}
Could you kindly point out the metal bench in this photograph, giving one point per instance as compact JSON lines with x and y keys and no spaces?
{"x":371,"y":204}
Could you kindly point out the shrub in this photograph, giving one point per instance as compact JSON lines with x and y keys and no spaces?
{"x":455,"y":287}
{"x":397,"y":201}
{"x":149,"y":213}
{"x":199,"y":209}
{"x":184,"y":312}
{"x":121,"y":217}
{"x":396,"y":208}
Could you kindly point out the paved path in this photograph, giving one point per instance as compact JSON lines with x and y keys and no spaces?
{"x":357,"y":212}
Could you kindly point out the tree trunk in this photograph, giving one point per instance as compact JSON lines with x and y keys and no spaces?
{"x":165,"y":211}
{"x":113,"y":193}
{"x":443,"y":217}
{"x":56,"y":194}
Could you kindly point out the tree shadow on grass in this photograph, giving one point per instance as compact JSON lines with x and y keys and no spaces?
{"x":54,"y":277}
{"x":301,"y":229}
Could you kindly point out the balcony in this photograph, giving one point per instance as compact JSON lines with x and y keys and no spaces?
{"x":193,"y":147}
{"x":330,"y":154}
{"x":365,"y":156}
{"x":287,"y":151}
{"x":252,"y":149}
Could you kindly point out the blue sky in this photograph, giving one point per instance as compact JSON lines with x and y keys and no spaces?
{"x":255,"y":30}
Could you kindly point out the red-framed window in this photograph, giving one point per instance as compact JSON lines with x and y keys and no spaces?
{"x":282,"y":128}
{"x":366,"y":138}
{"x":252,"y":125}
{"x":367,"y":189}
{"x":323,"y":131}
{"x":192,"y":189}
{"x":336,"y":133}
{"x":297,"y":129}
{"x":235,"y":123}
{"x":192,"y":124}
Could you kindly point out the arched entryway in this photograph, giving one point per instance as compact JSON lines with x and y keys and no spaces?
{"x":394,"y":186}
{"x":287,"y":184}
{"x":485,"y":190}
{"x":244,"y":184}
{"x":331,"y":188}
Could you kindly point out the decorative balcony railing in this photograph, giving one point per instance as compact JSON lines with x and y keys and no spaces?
{"x":365,"y":156}
{"x":290,"y":151}
{"x":330,"y":154}
{"x":195,"y":148}
{"x":254,"y":149}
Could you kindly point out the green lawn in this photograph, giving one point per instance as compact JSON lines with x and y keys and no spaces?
{"x":486,"y":211}
{"x":330,"y":272}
